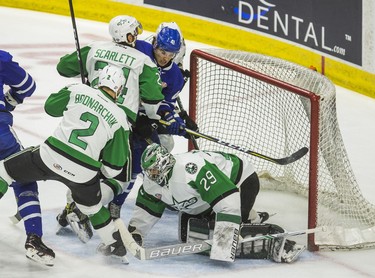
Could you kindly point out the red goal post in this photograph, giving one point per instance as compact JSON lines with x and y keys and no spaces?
{"x":276,"y":107}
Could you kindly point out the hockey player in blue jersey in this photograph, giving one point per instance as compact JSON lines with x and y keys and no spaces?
{"x":16,"y":85}
{"x":165,"y":45}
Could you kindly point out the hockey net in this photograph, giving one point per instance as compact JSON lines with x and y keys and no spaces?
{"x":275,"y":107}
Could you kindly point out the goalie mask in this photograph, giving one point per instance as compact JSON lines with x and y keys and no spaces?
{"x":125,"y":29}
{"x":113,"y":78}
{"x":157,"y":163}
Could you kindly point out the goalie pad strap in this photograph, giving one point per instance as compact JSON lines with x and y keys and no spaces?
{"x":260,"y":249}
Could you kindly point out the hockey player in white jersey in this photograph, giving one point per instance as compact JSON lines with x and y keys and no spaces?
{"x":91,"y":142}
{"x":142,"y":79}
{"x":142,"y":86}
{"x":199,"y":183}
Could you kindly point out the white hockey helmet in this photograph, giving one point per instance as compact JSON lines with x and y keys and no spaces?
{"x":121,"y":26}
{"x":171,"y":25}
{"x":113,"y":78}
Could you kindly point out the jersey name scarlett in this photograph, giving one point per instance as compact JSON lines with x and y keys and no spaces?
{"x":114,"y":56}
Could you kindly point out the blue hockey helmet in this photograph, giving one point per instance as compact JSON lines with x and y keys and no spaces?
{"x":168,"y":39}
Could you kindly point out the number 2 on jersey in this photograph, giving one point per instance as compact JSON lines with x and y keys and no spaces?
{"x":76,"y":133}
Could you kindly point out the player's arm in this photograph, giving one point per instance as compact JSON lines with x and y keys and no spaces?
{"x":56,"y":103}
{"x":21,"y":83}
{"x":150,"y":90}
{"x":115,"y":154}
{"x":147,"y":212}
{"x":68,"y":65}
{"x":167,"y":109}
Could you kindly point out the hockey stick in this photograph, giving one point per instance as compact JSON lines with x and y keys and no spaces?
{"x":142,"y":253}
{"x":281,"y":161}
{"x":78,"y":49}
{"x":158,"y":252}
{"x":192,"y":138}
{"x":285,"y":234}
{"x":15,"y":218}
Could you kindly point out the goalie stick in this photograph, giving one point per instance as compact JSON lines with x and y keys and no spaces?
{"x":281,"y":161}
{"x":152,"y":253}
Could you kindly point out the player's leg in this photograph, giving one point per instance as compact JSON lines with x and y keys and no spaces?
{"x":88,"y":199}
{"x":249,"y":190}
{"x":21,"y":167}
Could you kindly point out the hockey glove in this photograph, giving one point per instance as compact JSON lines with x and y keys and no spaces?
{"x":136,"y":235}
{"x":144,"y":126}
{"x":11,"y":100}
{"x":176,"y":124}
{"x":190,"y":124}
{"x":185,"y":74}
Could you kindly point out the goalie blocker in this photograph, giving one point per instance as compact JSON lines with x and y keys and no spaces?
{"x":280,"y":250}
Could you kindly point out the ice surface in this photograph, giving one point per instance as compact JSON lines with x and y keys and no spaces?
{"x":37,"y":40}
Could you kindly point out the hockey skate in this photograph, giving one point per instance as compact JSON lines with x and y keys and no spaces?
{"x":38,"y":252}
{"x":115,"y":250}
{"x":79,"y":222}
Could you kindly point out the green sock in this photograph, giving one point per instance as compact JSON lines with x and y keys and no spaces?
{"x":3,"y":187}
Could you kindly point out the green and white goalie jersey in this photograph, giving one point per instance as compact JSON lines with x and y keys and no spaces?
{"x":199,"y":181}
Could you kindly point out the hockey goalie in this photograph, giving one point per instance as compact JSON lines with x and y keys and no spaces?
{"x":214,"y":193}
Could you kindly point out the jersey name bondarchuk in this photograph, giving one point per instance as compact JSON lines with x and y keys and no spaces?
{"x":97,"y":107}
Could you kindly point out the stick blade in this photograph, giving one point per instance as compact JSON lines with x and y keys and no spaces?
{"x":293,"y":157}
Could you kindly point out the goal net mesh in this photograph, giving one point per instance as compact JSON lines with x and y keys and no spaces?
{"x":276,"y":121}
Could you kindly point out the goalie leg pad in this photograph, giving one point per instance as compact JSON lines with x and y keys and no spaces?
{"x":225,"y":237}
{"x":198,"y":230}
{"x":184,"y":218}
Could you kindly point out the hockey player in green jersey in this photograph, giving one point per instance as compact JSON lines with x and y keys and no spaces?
{"x":142,"y":87}
{"x":200,"y":183}
{"x":91,"y":142}
{"x":142,"y":79}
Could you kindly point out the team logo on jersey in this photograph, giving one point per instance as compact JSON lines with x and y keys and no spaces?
{"x":57,"y":166}
{"x":191,"y":168}
{"x":184,"y":204}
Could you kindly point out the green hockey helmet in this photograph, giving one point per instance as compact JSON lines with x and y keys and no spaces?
{"x":157,"y":162}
